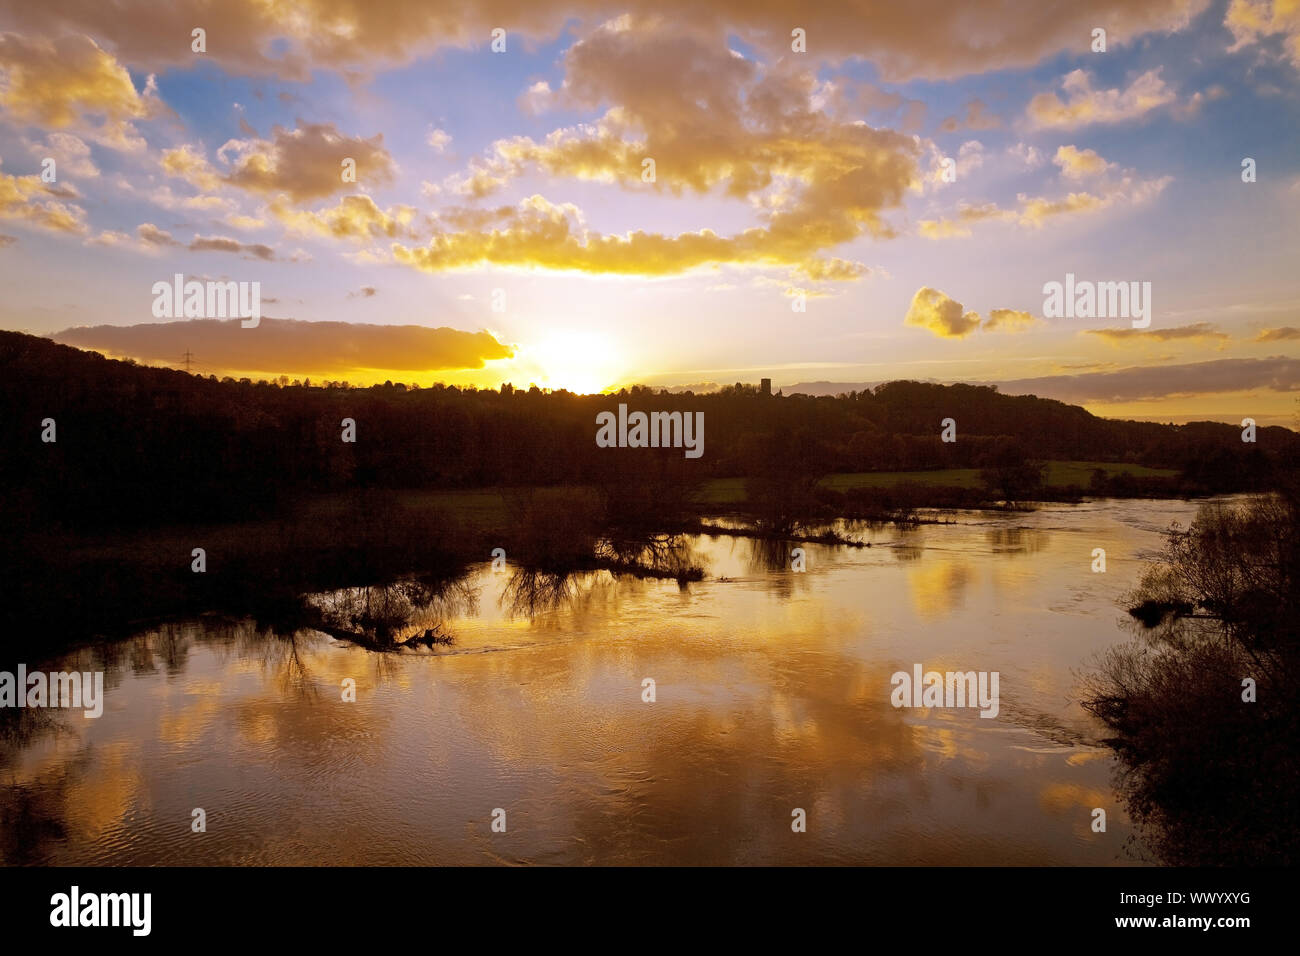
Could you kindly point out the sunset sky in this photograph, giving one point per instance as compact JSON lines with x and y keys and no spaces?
{"x":776,"y":173}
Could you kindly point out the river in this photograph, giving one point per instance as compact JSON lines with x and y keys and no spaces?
{"x":772,"y":694}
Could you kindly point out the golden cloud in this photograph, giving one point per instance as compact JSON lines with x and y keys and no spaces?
{"x":1010,"y":320}
{"x":355,"y":217}
{"x":959,"y":227}
{"x":287,"y":346}
{"x":187,"y":163}
{"x":933,"y":310}
{"x":1085,"y":106}
{"x":1032,"y":212}
{"x":1200,"y":331}
{"x":541,"y":235}
{"x":28,"y":199}
{"x":1249,"y":21}
{"x":1285,"y":333}
{"x":1078,"y":163}
{"x":63,"y":82}
{"x":710,"y":119}
{"x":833,"y":270}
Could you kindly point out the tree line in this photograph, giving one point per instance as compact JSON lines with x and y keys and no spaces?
{"x":136,"y":445}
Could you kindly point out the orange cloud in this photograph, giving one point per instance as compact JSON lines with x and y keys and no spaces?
{"x":287,"y":346}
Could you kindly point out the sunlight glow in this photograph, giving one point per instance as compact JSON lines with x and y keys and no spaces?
{"x":579,"y":361}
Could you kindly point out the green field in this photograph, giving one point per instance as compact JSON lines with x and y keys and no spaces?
{"x":723,"y":491}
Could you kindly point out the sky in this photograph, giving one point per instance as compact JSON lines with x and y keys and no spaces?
{"x":849,"y":194}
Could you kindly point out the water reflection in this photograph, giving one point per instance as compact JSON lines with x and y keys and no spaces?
{"x":408,"y":613}
{"x":772,"y":693}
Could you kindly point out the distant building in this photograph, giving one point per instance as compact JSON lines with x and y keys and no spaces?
{"x":765,"y":387}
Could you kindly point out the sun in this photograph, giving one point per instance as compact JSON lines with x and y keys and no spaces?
{"x":582,"y":362}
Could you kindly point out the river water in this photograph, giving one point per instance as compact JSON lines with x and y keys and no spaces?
{"x":772,"y":694}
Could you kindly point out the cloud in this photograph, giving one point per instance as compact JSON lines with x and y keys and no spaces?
{"x":438,"y":140}
{"x":1079,"y":163}
{"x":541,"y":235}
{"x":1201,"y":331}
{"x":970,"y":157}
{"x":151,"y":235}
{"x":151,"y":238}
{"x":920,"y":39}
{"x":188,"y":163}
{"x":933,"y":310}
{"x":713,"y":121}
{"x":64,"y":82}
{"x":976,"y":117}
{"x":304,"y":163}
{"x":289,"y":346}
{"x":1029,"y":156}
{"x":355,"y":217}
{"x":959,"y":227}
{"x":307,"y":162}
{"x":1250,"y":21}
{"x":1283,"y":334}
{"x":538,"y":98}
{"x":833,"y":270}
{"x":1085,"y":106}
{"x":249,"y":223}
{"x":164,"y":197}
{"x":1010,"y":320}
{"x":70,"y":153}
{"x":1032,"y":212}
{"x":946,"y":318}
{"x":254,"y":250}
{"x":1277,"y":374}
{"x":27,"y":199}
